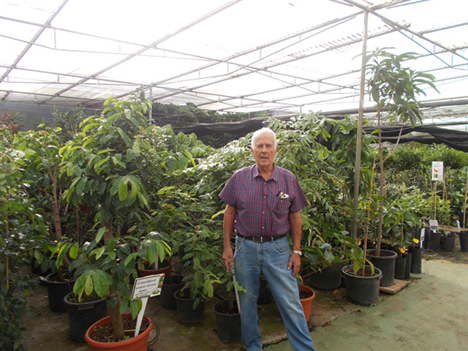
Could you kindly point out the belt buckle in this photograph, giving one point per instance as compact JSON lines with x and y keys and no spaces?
{"x":261,"y":240}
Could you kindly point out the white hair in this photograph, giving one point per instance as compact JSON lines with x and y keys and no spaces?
{"x":262,"y":131}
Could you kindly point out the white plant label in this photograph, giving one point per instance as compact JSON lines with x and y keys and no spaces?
{"x":438,"y":170}
{"x":149,"y":286}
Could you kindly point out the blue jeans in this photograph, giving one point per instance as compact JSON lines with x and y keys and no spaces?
{"x":271,"y":258}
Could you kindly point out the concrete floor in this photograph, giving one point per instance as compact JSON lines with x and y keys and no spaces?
{"x":430,"y":314}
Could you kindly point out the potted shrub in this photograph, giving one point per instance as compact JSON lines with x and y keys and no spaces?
{"x":323,"y":259}
{"x":394,"y":88}
{"x":361,"y":278}
{"x":227,"y":312}
{"x":201,"y":263}
{"x":109,"y":172}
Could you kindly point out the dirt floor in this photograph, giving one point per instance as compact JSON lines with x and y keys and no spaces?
{"x":335,"y":324}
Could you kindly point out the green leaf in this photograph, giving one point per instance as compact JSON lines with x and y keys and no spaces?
{"x":111,"y":248}
{"x":100,"y":234}
{"x":74,"y":250}
{"x":123,"y":191}
{"x":89,"y":285}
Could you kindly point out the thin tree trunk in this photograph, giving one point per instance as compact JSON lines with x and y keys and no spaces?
{"x":115,"y":316}
{"x":55,"y":207}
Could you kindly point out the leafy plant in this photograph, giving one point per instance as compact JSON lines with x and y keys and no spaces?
{"x":395,"y":89}
{"x":109,"y":173}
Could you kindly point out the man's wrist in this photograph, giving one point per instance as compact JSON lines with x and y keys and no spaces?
{"x":299,"y":252}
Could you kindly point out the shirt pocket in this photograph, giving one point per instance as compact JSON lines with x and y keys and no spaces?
{"x":282,"y":206}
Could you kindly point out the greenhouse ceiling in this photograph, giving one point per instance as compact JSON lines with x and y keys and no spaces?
{"x":228,"y":56}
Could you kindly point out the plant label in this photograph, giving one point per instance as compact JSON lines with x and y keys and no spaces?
{"x":149,"y":286}
{"x":438,"y":170}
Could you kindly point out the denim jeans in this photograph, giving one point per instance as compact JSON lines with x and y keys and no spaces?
{"x":271,"y":258}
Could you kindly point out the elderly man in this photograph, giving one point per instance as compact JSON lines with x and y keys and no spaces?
{"x":263,"y":204}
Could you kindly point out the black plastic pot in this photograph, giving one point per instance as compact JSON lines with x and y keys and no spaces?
{"x":186,"y":314}
{"x":400,"y":267}
{"x":447,"y":241}
{"x":170,"y":286}
{"x":434,"y":241}
{"x":362,"y":290}
{"x":386,"y":263}
{"x":409,"y":258}
{"x":228,"y":324}
{"x":327,"y":279}
{"x":56,"y":291}
{"x":81,"y":315}
{"x":416,"y":259}
{"x":464,"y":241}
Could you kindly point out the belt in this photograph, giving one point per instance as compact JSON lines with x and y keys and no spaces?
{"x":262,"y":239}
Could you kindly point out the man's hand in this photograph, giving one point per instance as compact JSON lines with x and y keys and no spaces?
{"x":295,"y":262}
{"x":228,"y":257}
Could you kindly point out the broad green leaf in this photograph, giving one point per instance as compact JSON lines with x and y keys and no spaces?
{"x":100,"y":234}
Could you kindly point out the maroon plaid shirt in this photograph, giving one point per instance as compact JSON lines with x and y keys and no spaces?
{"x":263,"y":207}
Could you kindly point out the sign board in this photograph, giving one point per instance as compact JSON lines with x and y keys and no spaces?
{"x":438,"y":170}
{"x":147,"y":286}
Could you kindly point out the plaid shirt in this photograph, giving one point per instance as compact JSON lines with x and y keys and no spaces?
{"x":263,"y":207}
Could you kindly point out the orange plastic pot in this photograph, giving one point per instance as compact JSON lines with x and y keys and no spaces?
{"x":307,"y":302}
{"x":138,"y":343}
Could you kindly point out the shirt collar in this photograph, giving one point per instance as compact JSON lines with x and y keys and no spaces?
{"x":256,"y":173}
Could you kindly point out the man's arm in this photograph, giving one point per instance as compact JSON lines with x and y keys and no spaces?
{"x":295,"y":221}
{"x":228,"y":228}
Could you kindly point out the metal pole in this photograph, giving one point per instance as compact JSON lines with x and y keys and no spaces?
{"x":357,"y":165}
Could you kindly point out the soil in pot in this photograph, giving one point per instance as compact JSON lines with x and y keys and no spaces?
{"x":104,"y":333}
{"x":386,"y":263}
{"x":228,"y":324}
{"x":102,"y":330}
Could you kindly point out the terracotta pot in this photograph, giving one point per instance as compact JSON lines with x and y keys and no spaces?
{"x":138,"y":343}
{"x":307,"y":302}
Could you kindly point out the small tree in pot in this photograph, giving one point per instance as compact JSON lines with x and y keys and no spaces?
{"x":110,"y":173}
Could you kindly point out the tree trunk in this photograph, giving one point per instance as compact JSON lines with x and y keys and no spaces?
{"x":55,"y":207}
{"x":113,"y":308}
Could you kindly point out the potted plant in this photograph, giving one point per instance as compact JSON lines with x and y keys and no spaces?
{"x":323,"y":259}
{"x":394,"y":88}
{"x":200,"y":266}
{"x":227,"y":312}
{"x":361,"y":278}
{"x":109,"y":172}
{"x":306,"y":295}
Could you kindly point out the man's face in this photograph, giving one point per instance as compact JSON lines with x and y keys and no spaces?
{"x":264,"y":150}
